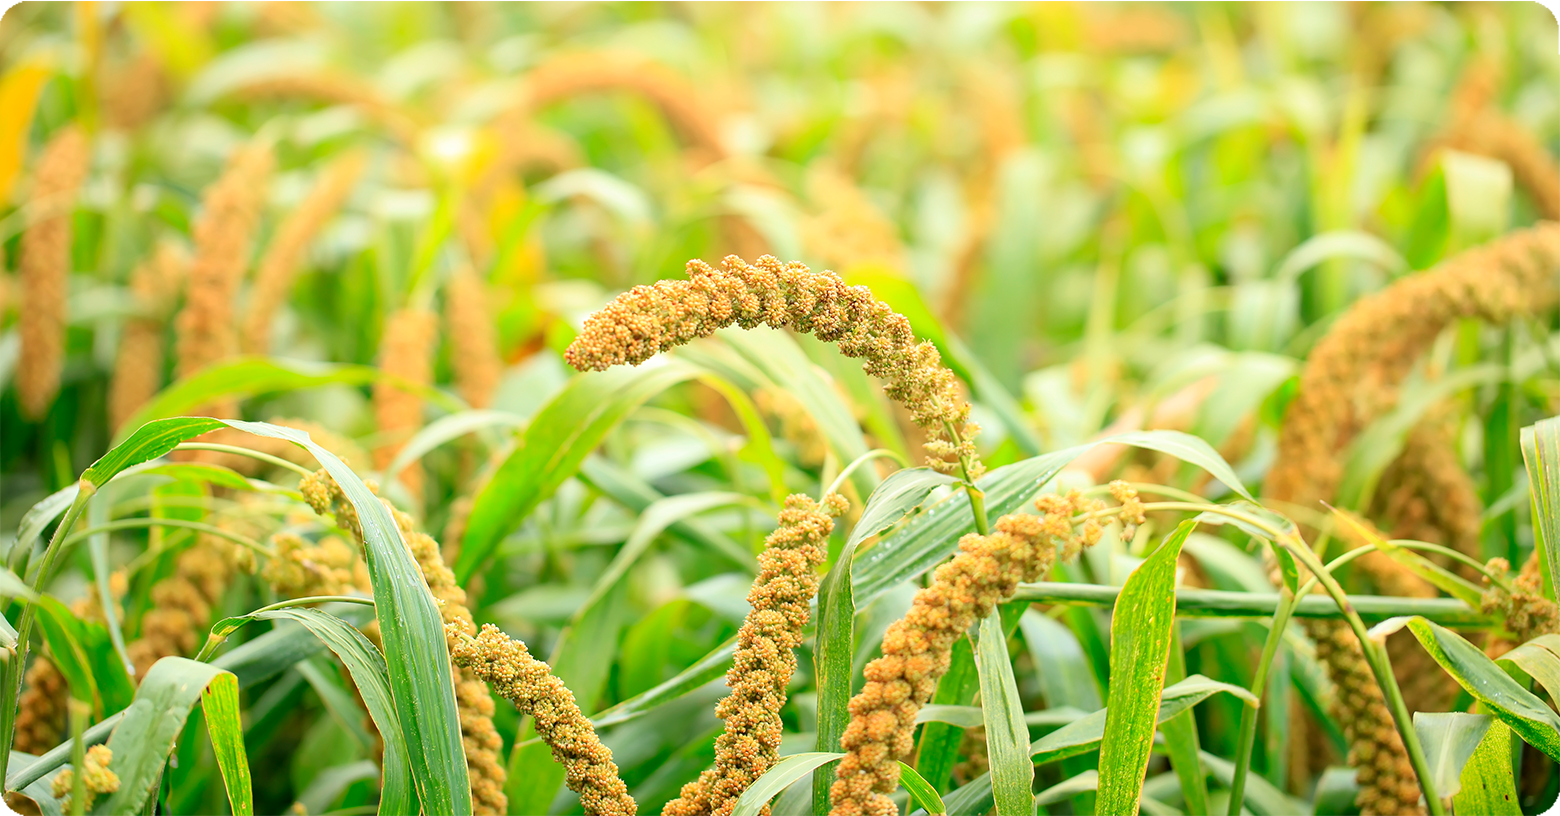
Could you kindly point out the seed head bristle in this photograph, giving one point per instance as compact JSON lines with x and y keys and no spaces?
{"x":762,"y":668}
{"x":46,"y":267}
{"x":648,"y":320}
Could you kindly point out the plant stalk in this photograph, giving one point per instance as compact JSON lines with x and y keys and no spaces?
{"x":16,"y":666}
{"x":1248,"y":714}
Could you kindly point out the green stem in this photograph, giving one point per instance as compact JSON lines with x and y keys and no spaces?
{"x":132,"y":523}
{"x":967,"y":468}
{"x":15,"y":667}
{"x":79,"y":712}
{"x":1248,"y":714}
{"x":876,"y":453}
{"x":1376,"y":659}
{"x":252,"y":454}
{"x":1213,"y":603}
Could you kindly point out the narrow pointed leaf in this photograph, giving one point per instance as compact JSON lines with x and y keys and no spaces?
{"x":1012,"y":774}
{"x":1488,"y":782}
{"x":1449,"y":740}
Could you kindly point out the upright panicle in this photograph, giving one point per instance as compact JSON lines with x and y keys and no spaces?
{"x":138,"y":365}
{"x":405,"y":352}
{"x":473,"y":338}
{"x":46,"y":268}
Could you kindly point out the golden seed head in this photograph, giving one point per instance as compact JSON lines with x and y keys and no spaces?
{"x":648,"y":320}
{"x":405,"y":351}
{"x":46,"y":267}
{"x":95,"y":775}
{"x":473,"y":338}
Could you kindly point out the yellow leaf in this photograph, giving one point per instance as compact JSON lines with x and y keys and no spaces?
{"x":19,"y":90}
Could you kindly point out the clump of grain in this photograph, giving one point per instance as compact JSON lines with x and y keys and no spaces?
{"x":648,"y":320}
{"x":95,"y":775}
{"x":1475,"y":125}
{"x":1527,"y":612}
{"x":1427,"y":494}
{"x":133,"y":93}
{"x":183,"y":602}
{"x":405,"y":352}
{"x":1388,"y":785}
{"x":284,"y":257}
{"x":786,"y":583}
{"x":45,"y":269}
{"x":300,"y":568}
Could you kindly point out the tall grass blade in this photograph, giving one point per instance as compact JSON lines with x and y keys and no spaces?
{"x":833,"y":653}
{"x":778,"y":778}
{"x":552,"y":448}
{"x":1541,"y":455}
{"x":219,"y":702}
{"x":1139,"y":650}
{"x":921,"y":793}
{"x":1012,"y":774}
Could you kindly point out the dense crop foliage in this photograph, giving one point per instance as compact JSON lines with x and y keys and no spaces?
{"x":792,"y":408}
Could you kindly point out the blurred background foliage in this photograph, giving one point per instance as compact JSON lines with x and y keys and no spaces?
{"x":1108,"y":216}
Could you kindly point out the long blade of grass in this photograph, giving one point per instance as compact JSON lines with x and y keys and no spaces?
{"x":552,"y":448}
{"x":920,"y":792}
{"x":778,"y":778}
{"x":1012,"y":774}
{"x":1449,"y":740}
{"x":447,"y":429}
{"x":1181,"y":738}
{"x":1139,"y":650}
{"x":834,"y":651}
{"x":636,"y":495}
{"x":219,"y":702}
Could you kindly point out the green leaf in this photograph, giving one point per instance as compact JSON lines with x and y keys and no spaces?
{"x":1066,"y":678}
{"x":63,"y":632}
{"x":930,"y":537}
{"x":1488,"y":783}
{"x":42,"y":790}
{"x":636,"y":495}
{"x":707,"y":668}
{"x":920,"y":792}
{"x":144,"y":738}
{"x":1061,"y":792}
{"x":445,"y":429}
{"x":552,"y":448}
{"x":652,"y":522}
{"x":903,"y":491}
{"x":1139,"y":648}
{"x":36,"y":520}
{"x":778,"y":778}
{"x":1517,"y":707}
{"x":242,"y":377}
{"x":1541,"y":455}
{"x":834,"y":650}
{"x":1084,"y":734}
{"x":219,"y":701}
{"x":1012,"y":774}
{"x":1449,"y":740}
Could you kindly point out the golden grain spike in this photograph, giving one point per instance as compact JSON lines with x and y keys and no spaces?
{"x":224,"y":233}
{"x":529,"y":683}
{"x":762,"y":668}
{"x":138,"y":364}
{"x":406,"y":352}
{"x":284,"y":257}
{"x":1388,"y":785}
{"x":46,"y":267}
{"x":1352,"y":376}
{"x":917,"y":649}
{"x":98,"y":779}
{"x":648,"y":320}
{"x":473,"y":338}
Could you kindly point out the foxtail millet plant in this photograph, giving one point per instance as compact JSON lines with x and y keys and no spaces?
{"x":484,"y":767}
{"x":46,"y":267}
{"x":138,"y":363}
{"x":647,"y":320}
{"x":473,"y":338}
{"x":405,"y":352}
{"x":917,"y":649}
{"x":284,"y":257}
{"x":764,"y":662}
